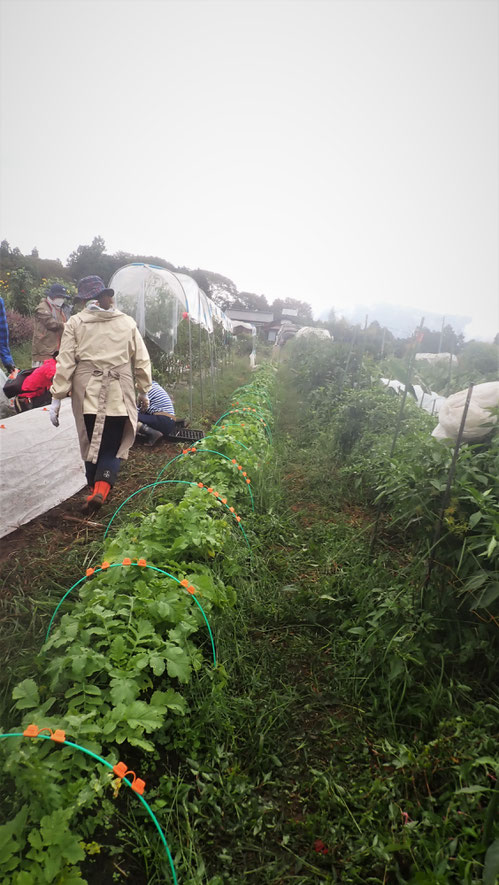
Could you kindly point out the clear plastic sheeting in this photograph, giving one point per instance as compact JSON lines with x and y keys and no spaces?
{"x":220,"y":317}
{"x":156,"y":298}
{"x":40,"y":465}
{"x":198,"y":302}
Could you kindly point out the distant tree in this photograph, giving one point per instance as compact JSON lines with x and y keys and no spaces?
{"x":145,"y":259}
{"x":220,"y":289}
{"x":377,"y":339}
{"x":250,"y":301}
{"x":479,"y":358}
{"x":19,"y":296}
{"x":304,"y":309}
{"x":447,"y":341}
{"x":87,"y":260}
{"x":340,"y":328}
{"x":7,"y":260}
{"x":34,"y":252}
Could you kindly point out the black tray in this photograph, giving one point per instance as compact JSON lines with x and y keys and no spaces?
{"x":185,"y":434}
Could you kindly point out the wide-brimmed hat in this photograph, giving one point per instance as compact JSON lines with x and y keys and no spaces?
{"x":57,"y":291}
{"x":92,"y":287}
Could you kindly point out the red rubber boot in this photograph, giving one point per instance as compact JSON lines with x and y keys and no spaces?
{"x":99,"y":494}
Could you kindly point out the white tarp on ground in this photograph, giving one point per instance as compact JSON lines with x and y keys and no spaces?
{"x":479,"y":420}
{"x":431,"y":402}
{"x":40,"y":465}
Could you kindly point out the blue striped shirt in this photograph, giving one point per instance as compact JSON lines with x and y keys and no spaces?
{"x":159,"y":401}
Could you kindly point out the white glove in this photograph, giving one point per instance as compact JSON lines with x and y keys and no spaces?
{"x":55,"y":405}
{"x":143,"y":402}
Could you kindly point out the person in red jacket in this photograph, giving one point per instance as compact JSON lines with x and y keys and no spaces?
{"x":36,"y":385}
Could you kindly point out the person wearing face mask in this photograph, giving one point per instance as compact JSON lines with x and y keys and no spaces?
{"x":101,"y":355}
{"x":49,"y":320}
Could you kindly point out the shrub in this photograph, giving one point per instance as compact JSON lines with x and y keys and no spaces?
{"x":20,"y":296}
{"x":20,"y":327}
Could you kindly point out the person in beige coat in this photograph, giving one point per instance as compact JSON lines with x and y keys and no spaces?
{"x":49,"y":319}
{"x":101,"y":350}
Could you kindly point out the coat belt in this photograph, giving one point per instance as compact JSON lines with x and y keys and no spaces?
{"x":108,"y":375}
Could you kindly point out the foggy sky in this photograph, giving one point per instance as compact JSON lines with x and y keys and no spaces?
{"x":339,"y":152}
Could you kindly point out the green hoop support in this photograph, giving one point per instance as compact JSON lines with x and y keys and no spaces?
{"x":212,"y":434}
{"x":154,"y":568}
{"x":251,"y":405}
{"x":258,"y":393}
{"x":265,"y":423}
{"x":165,"y":482}
{"x":200,"y":452}
{"x":146,"y":805}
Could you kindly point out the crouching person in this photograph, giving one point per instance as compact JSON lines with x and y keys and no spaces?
{"x":159,"y":418}
{"x":101,"y":350}
{"x":36,"y":386}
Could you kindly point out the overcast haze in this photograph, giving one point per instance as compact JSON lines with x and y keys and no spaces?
{"x":338,"y":152}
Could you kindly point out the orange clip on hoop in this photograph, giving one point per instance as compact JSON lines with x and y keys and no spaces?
{"x":126,"y":561}
{"x":138,"y":785}
{"x":105,"y":565}
{"x":141,"y":562}
{"x":58,"y":735}
{"x":89,"y":572}
{"x":234,"y":461}
{"x":184,"y":583}
{"x":31,"y":731}
{"x":121,"y":770}
{"x":200,"y":485}
{"x":190,"y":589}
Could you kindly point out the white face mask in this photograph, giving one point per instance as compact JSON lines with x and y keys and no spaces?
{"x":58,"y":301}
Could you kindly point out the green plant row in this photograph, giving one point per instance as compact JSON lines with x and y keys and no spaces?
{"x":418,"y":663}
{"x":113,"y":671}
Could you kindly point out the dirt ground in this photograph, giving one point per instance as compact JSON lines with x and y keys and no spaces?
{"x":57,"y":530}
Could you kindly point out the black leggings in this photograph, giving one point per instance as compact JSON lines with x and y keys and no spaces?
{"x":166,"y":425}
{"x":108,"y":464}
